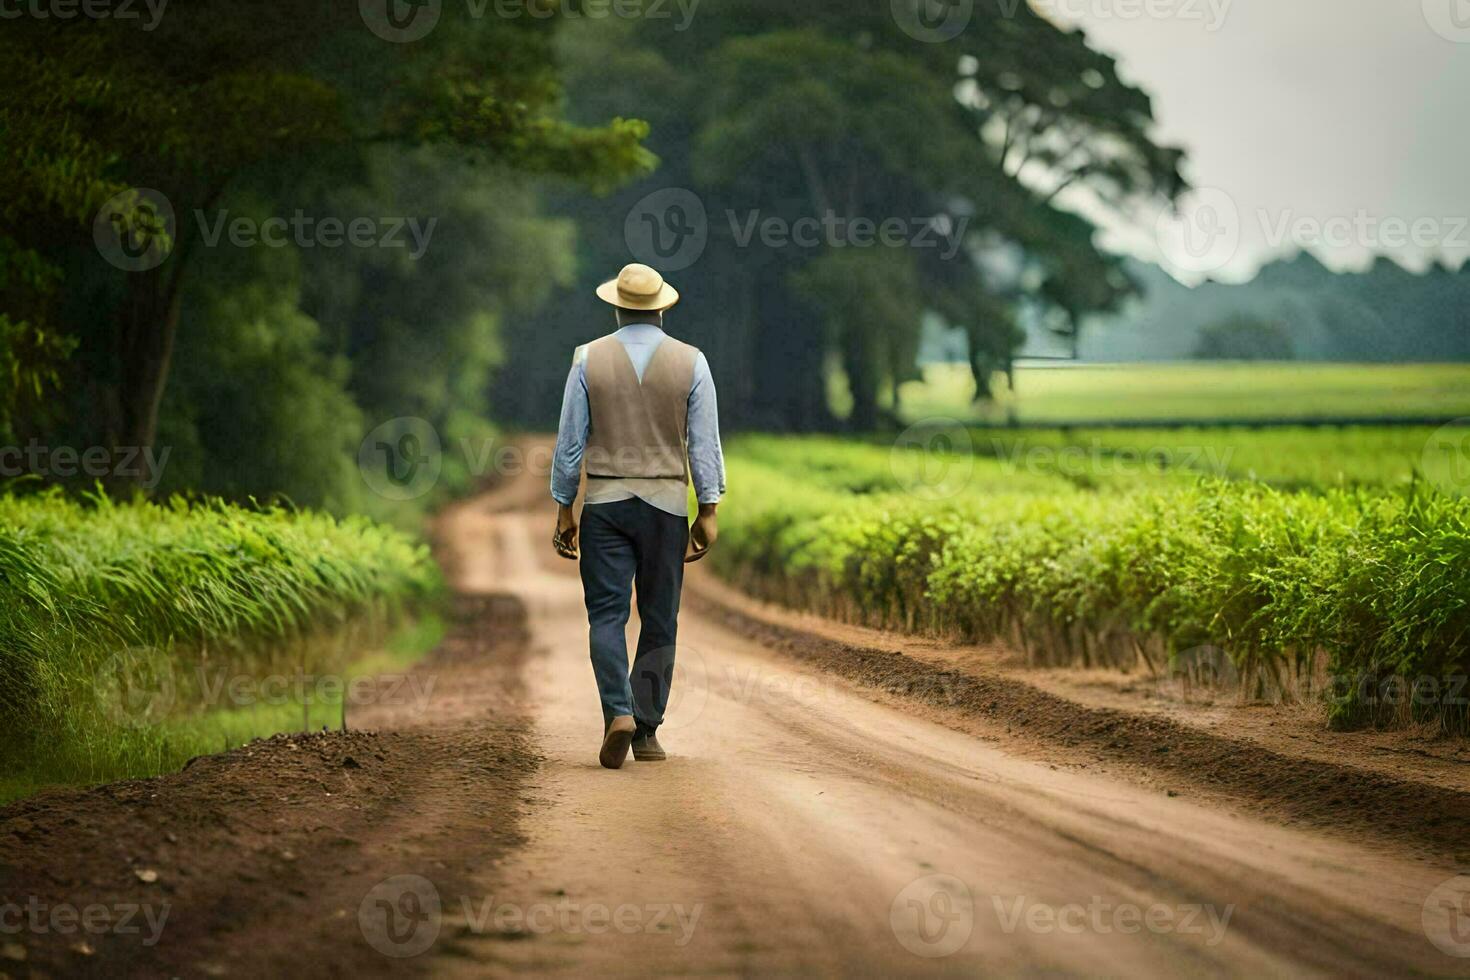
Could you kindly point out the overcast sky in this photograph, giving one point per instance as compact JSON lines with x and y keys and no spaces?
{"x":1348,"y":112}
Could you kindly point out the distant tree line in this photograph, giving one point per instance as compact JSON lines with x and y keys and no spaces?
{"x":1294,"y":308}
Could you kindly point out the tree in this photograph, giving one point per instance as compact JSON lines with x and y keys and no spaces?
{"x":867,"y":300}
{"x":812,"y":108}
{"x":1244,"y":338}
{"x":93,"y":110}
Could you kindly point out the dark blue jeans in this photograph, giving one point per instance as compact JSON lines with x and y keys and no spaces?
{"x":628,"y":544}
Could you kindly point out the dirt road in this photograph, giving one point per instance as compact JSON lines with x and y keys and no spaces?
{"x":800,"y":826}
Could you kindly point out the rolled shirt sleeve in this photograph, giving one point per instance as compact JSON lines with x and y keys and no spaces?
{"x":571,"y":434}
{"x":706,"y":458}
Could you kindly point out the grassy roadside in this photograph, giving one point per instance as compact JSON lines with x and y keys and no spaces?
{"x":134,"y":636}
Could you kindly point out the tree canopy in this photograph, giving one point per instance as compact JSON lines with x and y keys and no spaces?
{"x":158,"y":128}
{"x":849,"y":172}
{"x":849,"y":116}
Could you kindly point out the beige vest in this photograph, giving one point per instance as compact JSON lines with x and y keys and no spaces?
{"x":638,"y":431}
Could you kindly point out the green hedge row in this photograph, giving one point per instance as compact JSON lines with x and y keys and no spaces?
{"x":1379,"y":581}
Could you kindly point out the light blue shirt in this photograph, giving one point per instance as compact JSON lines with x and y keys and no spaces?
{"x":706,"y":459}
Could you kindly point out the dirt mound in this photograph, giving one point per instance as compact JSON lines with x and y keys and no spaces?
{"x":247,"y":862}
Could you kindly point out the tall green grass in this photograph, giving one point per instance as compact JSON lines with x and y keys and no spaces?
{"x":1375,"y":581}
{"x":108,"y":611}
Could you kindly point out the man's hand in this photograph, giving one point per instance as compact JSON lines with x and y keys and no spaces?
{"x":564,"y":540}
{"x":703,"y":534}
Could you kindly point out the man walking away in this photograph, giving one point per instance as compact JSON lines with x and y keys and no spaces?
{"x":639,"y":411}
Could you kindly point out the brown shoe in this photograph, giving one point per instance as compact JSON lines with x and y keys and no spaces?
{"x":615,"y":743}
{"x":647,"y":749}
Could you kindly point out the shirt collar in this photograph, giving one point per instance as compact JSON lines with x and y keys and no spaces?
{"x":640,"y":331}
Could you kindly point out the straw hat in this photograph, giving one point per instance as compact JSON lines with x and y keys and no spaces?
{"x":638,"y":287}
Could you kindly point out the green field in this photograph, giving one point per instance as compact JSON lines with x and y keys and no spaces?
{"x":133,"y":636}
{"x":1285,"y":457}
{"x":1082,"y":560}
{"x":1203,"y":391}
